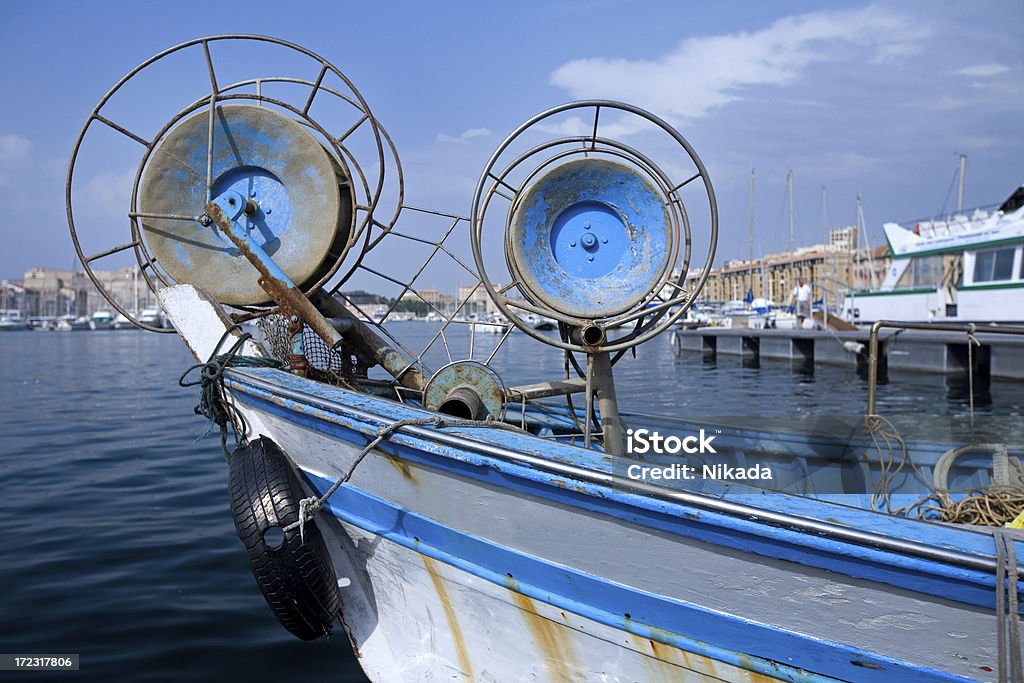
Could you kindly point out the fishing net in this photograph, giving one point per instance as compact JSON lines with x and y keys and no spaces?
{"x":339,"y":366}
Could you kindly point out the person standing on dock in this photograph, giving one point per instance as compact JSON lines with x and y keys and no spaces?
{"x":801,"y":299}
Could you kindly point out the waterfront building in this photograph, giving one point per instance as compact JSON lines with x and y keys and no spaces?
{"x":833,"y":269}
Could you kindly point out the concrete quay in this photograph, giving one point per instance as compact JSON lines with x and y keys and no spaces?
{"x":995,"y":356}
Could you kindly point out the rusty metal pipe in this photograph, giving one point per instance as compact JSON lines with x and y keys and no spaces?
{"x":607,"y":405}
{"x":462,"y":402}
{"x":396,"y":364}
{"x":272,"y":279}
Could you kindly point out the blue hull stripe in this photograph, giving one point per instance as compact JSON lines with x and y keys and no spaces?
{"x":747,"y":644}
{"x":925,"y":576}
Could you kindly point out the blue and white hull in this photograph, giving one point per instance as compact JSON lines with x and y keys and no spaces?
{"x":484,"y":554}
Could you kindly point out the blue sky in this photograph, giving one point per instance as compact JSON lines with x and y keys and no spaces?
{"x":869,"y":99}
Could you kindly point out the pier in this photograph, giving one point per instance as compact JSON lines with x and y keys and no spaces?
{"x":994,"y":356}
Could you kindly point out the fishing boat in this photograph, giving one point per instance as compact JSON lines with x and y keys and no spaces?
{"x":11,"y":319}
{"x":458,"y":528}
{"x":102,"y":320}
{"x":964,"y":267}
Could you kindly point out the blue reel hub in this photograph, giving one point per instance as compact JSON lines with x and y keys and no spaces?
{"x":590,"y":238}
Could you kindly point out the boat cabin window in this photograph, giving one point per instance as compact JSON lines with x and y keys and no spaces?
{"x":1015,"y":201}
{"x":994,"y":264}
{"x":924,"y":271}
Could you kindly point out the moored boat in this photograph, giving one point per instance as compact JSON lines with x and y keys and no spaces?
{"x":459,"y":528}
{"x":964,"y":267}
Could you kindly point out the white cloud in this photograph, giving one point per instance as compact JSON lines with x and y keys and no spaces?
{"x":14,"y":152}
{"x":463,"y":137}
{"x":574,"y":126}
{"x":106,"y":196}
{"x":14,"y":148}
{"x":983,"y":70}
{"x":707,"y":72}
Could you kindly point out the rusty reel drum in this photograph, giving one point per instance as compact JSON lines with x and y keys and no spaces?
{"x":595,"y":233}
{"x":256,"y":146}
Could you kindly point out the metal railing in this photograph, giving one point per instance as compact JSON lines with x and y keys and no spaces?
{"x":969,"y":329}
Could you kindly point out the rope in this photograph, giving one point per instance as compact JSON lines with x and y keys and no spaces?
{"x":971,"y":342}
{"x":883,"y":432}
{"x":309,"y":507}
{"x":213,"y":400}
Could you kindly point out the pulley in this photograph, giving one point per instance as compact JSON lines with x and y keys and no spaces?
{"x":590,"y":238}
{"x":292,"y":197}
{"x":596,"y":233}
{"x":259,"y":149}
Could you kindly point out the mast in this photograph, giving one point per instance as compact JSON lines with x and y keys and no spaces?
{"x":960,"y":189}
{"x":789,"y":195}
{"x":867,"y":243}
{"x":750,"y":254}
{"x":824,"y":229}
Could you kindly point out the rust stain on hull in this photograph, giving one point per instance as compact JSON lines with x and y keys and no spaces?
{"x":401,"y":465}
{"x":552,"y":640}
{"x":665,"y":661}
{"x":461,"y":651}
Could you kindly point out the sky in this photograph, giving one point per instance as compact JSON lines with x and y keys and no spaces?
{"x":871,"y":100}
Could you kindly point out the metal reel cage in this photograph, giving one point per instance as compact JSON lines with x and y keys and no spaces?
{"x":368,"y":186}
{"x":667,"y":300}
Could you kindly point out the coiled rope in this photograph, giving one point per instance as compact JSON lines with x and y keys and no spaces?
{"x":214,"y":404}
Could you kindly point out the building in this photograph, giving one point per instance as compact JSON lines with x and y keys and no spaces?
{"x":833,"y":269}
{"x":50,"y":293}
{"x":478,"y":302}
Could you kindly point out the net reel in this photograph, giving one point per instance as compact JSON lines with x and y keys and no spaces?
{"x":596,"y":234}
{"x":296,"y":183}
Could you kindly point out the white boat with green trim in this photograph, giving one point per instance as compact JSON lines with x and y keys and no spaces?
{"x":966,"y":268}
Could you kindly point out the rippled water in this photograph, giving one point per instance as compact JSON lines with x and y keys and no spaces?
{"x":118,"y":542}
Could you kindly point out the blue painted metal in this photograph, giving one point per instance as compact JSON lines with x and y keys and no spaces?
{"x":303,"y":206}
{"x":229,"y":204}
{"x":448,"y":451}
{"x":741,"y":642}
{"x":589,"y":239}
{"x":592,"y":239}
{"x":273,"y":212}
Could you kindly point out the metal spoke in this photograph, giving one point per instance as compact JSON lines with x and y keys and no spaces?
{"x":434,"y":213}
{"x":166,"y":216}
{"x":593,"y":135}
{"x":685,"y":182}
{"x":108,"y":252}
{"x":501,"y":341}
{"x":338,"y":140}
{"x":316,"y":87}
{"x":209,"y":67}
{"x":122,"y":130}
{"x":209,"y":123}
{"x":500,"y":181}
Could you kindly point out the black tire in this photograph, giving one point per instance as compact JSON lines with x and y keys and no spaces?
{"x":296,"y":578}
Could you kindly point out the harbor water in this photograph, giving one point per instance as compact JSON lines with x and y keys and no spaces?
{"x":119,"y":545}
